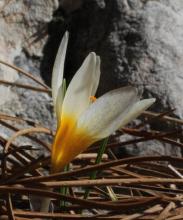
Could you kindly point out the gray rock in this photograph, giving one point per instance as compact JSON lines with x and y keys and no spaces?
{"x":23,"y":34}
{"x":23,"y":31}
{"x":147,"y":148}
{"x":140,"y":43}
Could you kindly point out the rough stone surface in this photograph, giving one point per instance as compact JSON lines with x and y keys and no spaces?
{"x":153,"y":147}
{"x":140,"y":43}
{"x":23,"y":34}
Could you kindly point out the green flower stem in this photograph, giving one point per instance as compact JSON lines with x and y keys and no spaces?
{"x":64,"y":189}
{"x":93,"y":175}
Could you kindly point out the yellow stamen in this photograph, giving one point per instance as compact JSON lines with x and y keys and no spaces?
{"x":93,"y":98}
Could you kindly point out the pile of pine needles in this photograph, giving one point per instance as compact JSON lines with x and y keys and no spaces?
{"x":140,"y":187}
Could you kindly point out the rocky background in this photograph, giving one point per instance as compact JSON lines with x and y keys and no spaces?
{"x":140,"y":43}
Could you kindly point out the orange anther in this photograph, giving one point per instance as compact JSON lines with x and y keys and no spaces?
{"x":93,"y":98}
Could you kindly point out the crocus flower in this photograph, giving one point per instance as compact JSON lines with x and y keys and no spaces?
{"x":81,"y":122}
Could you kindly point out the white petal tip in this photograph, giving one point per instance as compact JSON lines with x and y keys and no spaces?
{"x":98,"y":60}
{"x":145,"y":103}
{"x":92,"y":53}
{"x":151,"y":100}
{"x":58,"y":68}
{"x":92,"y":56}
{"x":66,"y":35}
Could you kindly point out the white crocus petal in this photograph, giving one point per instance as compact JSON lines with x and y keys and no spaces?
{"x":136,"y":110}
{"x":58,"y":68}
{"x":102,"y":117}
{"x":77,"y":97}
{"x":59,"y":101}
{"x":96,"y":77}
